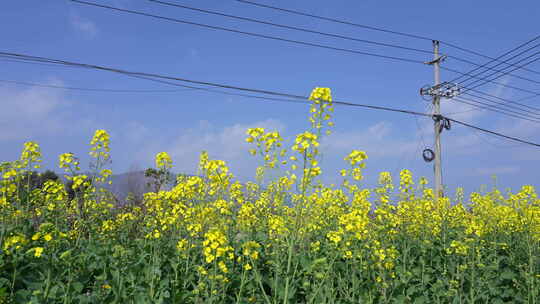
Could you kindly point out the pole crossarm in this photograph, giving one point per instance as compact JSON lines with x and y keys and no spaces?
{"x":437,"y":60}
{"x":445,"y":89}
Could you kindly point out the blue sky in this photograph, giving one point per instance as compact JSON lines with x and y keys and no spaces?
{"x":184,"y":122}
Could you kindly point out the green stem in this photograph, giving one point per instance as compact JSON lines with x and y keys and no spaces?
{"x":259,"y":281}
{"x":473,"y":276}
{"x":13,"y":278}
{"x":239,"y":294}
{"x":48,"y":284}
{"x":67,"y":292}
{"x":287,"y":279}
{"x":324,"y":279}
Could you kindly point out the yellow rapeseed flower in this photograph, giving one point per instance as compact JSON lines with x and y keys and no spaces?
{"x":163,"y":161}
{"x":37,"y":251}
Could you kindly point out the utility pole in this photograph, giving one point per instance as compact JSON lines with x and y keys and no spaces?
{"x":437,"y":91}
{"x":436,"y":98}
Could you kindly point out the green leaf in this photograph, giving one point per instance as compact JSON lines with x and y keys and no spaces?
{"x":508,"y":275}
{"x":78,"y":287}
{"x":411,"y":290}
{"x":101,"y":277}
{"x":401,"y":299}
{"x":420,"y":300}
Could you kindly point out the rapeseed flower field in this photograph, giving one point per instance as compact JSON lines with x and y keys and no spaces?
{"x":284,"y":239}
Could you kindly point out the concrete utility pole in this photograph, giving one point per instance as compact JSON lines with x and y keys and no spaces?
{"x":437,"y":91}
{"x":437,"y":124}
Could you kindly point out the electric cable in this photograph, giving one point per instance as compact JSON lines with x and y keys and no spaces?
{"x":527,"y":97}
{"x":535,"y":112}
{"x":258,"y":35}
{"x":328,"y":34}
{"x":475,"y":132}
{"x":502,"y":99}
{"x":224,"y":86}
{"x":259,"y":91}
{"x":213,"y":27}
{"x":491,"y":61}
{"x":493,"y":82}
{"x":85,"y":89}
{"x":493,"y":132}
{"x":490,"y":69}
{"x":485,"y":106}
{"x":502,"y":74}
{"x":373,"y":28}
{"x":291,"y":27}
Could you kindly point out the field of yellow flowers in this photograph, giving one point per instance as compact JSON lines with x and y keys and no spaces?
{"x":285,"y":239}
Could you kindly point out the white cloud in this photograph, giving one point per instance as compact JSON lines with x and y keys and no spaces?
{"x":521,"y":128}
{"x":226,"y":144}
{"x":379,"y":140}
{"x":460,"y":110}
{"x":135,"y":131}
{"x":83,"y":25}
{"x":31,"y":112}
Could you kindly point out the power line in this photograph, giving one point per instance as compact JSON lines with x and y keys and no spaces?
{"x":484,"y":56}
{"x":498,"y":109}
{"x":493,"y":132}
{"x":486,"y":80}
{"x":171,"y":19}
{"x":527,"y":97}
{"x":213,"y":27}
{"x":373,"y":28}
{"x":140,"y":74}
{"x":498,"y":98}
{"x":258,"y":35}
{"x":506,"y":105}
{"x":297,"y":101}
{"x":291,"y":27}
{"x":492,"y":60}
{"x":501,"y":98}
{"x":503,"y":74}
{"x":336,"y":20}
{"x":266,"y":92}
{"x":3,"y":59}
{"x":464,"y":111}
{"x":187,"y":87}
{"x":485,"y":65}
{"x":336,"y":36}
{"x":490,"y":69}
{"x":489,"y":107}
{"x":492,"y":144}
{"x":85,"y":89}
{"x":159,"y":81}
{"x":493,"y":82}
{"x":224,"y":86}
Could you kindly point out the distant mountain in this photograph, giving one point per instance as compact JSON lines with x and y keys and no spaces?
{"x":122,"y":184}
